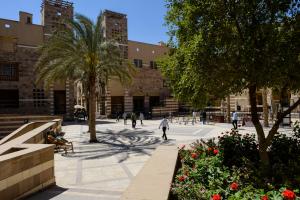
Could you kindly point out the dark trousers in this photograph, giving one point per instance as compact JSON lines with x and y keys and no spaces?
{"x":234,"y":123}
{"x":164,"y":136}
{"x":133,"y":123}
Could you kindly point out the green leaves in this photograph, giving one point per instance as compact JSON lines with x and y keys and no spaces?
{"x":221,"y":47}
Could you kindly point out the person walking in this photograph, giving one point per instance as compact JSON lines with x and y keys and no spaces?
{"x":133,"y":120}
{"x":204,"y":116}
{"x":164,"y":124}
{"x":125,"y":118}
{"x":118,"y":116}
{"x":234,"y":120}
{"x":194,"y":117}
{"x":141,"y":117}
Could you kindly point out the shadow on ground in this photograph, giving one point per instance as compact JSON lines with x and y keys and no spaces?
{"x":120,"y":144}
{"x":81,"y":122}
{"x":49,"y":193}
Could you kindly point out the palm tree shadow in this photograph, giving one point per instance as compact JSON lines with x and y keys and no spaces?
{"x":121,"y":144}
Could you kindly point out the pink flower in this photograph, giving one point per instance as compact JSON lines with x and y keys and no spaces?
{"x":182,"y":146}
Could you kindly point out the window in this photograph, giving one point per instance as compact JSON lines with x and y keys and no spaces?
{"x":9,"y":72}
{"x":9,"y":99}
{"x":38,"y":97}
{"x":7,"y":25}
{"x":138,"y":63}
{"x":153,"y":65}
{"x":29,"y":20}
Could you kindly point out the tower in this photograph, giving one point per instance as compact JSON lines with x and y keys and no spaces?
{"x":54,"y":12}
{"x":115,"y":28}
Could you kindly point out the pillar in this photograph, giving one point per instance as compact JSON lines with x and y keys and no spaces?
{"x":146,"y":104}
{"x":51,"y":97}
{"x":107,"y":102}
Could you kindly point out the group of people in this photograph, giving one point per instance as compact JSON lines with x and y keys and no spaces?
{"x":186,"y":119}
{"x":132,"y":116}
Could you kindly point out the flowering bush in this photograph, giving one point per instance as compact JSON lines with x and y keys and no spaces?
{"x":228,"y":169}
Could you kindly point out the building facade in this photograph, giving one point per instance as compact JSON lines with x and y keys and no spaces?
{"x":19,"y":42}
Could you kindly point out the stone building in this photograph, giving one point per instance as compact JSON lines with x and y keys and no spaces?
{"x":19,"y":42}
{"x":149,"y":89}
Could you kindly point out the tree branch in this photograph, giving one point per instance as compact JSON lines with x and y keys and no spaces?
{"x":279,"y":119}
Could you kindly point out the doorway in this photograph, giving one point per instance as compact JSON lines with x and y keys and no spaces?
{"x":138,"y":104}
{"x":59,"y":102}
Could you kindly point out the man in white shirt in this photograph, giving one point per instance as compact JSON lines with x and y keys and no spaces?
{"x":194,"y":117}
{"x":164,"y":124}
{"x":234,"y":120}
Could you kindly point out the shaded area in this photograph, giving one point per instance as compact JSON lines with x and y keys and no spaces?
{"x":121,"y":144}
{"x":48,"y":193}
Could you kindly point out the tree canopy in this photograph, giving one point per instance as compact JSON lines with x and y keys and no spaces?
{"x":81,"y":52}
{"x":223,"y":47}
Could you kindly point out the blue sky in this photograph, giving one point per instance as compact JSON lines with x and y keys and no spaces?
{"x":145,"y":17}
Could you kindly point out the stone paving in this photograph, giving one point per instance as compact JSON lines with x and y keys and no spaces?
{"x":104,"y":170}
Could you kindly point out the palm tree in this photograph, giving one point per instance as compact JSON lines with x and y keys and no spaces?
{"x":80,"y":52}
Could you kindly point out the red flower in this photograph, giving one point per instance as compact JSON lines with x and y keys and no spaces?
{"x":265,"y":197}
{"x":209,"y":149}
{"x":288,"y":194}
{"x":216,"y":151}
{"x":194,"y":155}
{"x":234,"y":186}
{"x":216,"y":197}
{"x":181,"y":178}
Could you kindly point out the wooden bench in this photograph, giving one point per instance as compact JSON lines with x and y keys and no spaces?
{"x":60,"y":143}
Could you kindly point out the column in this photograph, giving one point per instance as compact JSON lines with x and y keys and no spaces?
{"x":51,"y":98}
{"x":128,"y":102}
{"x":146,"y":104}
{"x":107,"y":102}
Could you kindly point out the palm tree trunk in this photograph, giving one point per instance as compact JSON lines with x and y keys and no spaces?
{"x":265,"y":107}
{"x":92,"y":110}
{"x":228,"y":109}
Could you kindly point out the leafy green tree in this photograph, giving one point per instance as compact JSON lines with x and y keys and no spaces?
{"x":223,"y":47}
{"x":81,"y":52}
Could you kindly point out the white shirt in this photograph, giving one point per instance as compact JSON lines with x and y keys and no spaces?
{"x":164,"y":123}
{"x":141,"y":116}
{"x":234,"y":116}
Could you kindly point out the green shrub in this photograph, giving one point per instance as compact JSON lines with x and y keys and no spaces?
{"x":228,"y":169}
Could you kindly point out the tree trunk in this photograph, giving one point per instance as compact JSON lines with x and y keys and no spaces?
{"x":264,"y":157}
{"x":265,"y":107}
{"x":228,"y":109}
{"x":92,"y":110}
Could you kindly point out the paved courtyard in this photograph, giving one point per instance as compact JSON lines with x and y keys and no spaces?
{"x":105,"y":169}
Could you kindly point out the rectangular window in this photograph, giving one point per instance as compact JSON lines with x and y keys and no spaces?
{"x":153,"y":65}
{"x":28,"y":20}
{"x":9,"y":72}
{"x":138,"y":63}
{"x":38,"y":97}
